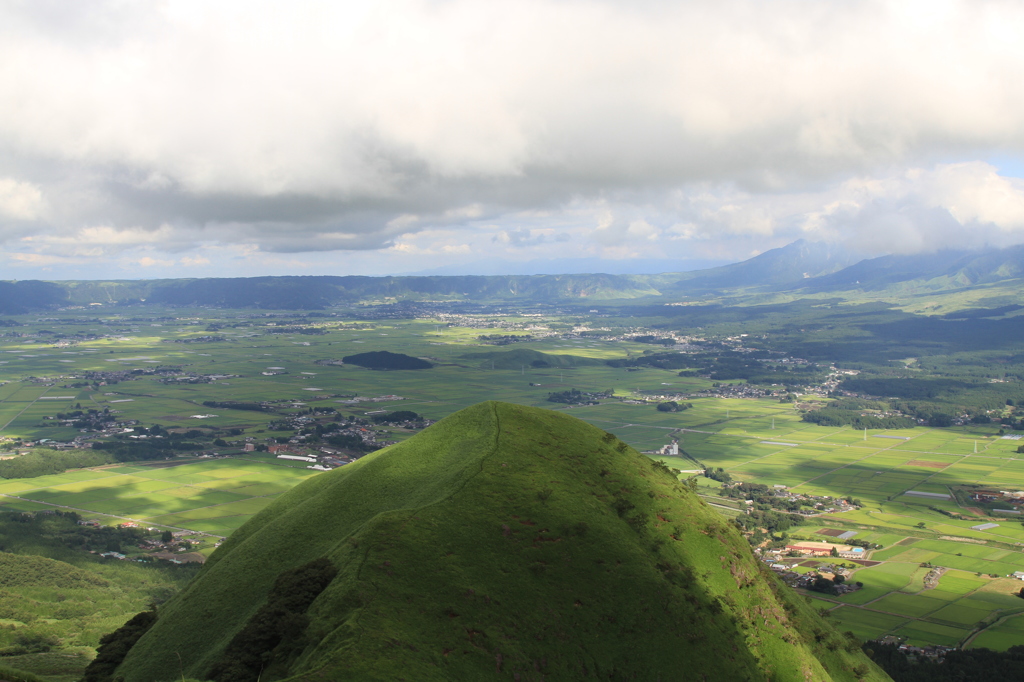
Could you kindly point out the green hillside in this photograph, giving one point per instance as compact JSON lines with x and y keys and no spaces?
{"x":504,"y":542}
{"x":35,"y":571}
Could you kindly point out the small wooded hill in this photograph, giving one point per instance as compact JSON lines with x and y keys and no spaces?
{"x":526,"y":357}
{"x":382,"y":359}
{"x":504,"y":542}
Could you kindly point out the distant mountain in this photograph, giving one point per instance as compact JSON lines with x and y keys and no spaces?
{"x":784,"y":267}
{"x":504,"y":542}
{"x":28,"y":295}
{"x":941,"y":270}
{"x":572,"y":266}
{"x":319,"y":292}
{"x":800,"y":267}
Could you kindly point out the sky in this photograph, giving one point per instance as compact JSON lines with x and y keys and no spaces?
{"x":222,"y":138}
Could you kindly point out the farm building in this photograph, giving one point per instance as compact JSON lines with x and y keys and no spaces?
{"x":824,"y":549}
{"x":297,"y":458}
{"x":805,"y":548}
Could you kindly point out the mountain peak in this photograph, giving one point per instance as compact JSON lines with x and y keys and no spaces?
{"x":785,"y":266}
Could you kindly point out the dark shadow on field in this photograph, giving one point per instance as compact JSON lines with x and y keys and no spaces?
{"x":150,"y":497}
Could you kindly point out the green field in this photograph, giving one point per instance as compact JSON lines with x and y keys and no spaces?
{"x":212,"y":496}
{"x":758,"y":440}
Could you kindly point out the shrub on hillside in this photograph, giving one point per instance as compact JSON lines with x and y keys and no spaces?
{"x":114,"y":647}
{"x":277,"y":626}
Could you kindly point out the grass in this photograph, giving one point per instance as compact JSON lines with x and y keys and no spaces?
{"x":51,"y":593}
{"x":1002,"y":635}
{"x":864,"y":623}
{"x":471,"y":537}
{"x":827,"y":460}
{"x":211,"y":496}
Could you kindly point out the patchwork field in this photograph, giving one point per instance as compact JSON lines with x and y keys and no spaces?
{"x":758,"y":440}
{"x":211,"y":496}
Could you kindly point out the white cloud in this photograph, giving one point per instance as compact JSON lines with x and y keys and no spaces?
{"x":19,"y":200}
{"x":961,"y":205}
{"x":975,"y":193}
{"x":621,"y":127}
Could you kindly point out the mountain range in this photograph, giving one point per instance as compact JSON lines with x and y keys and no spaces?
{"x":800,"y":268}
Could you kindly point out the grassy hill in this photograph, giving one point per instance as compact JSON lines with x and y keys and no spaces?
{"x":504,"y":542}
{"x":57,"y":600}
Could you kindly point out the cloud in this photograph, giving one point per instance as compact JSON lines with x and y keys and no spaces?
{"x":148,"y":262}
{"x":963,"y":205}
{"x":520,"y":237}
{"x":342,"y":126}
{"x":19,"y":200}
{"x":194,"y":261}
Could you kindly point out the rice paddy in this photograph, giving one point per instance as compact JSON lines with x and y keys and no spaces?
{"x":210,"y":496}
{"x":756,"y":440}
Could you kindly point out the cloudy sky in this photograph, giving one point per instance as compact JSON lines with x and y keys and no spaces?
{"x":181,"y":139}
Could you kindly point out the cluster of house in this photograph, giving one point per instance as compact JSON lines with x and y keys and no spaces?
{"x":815,"y":504}
{"x":355,"y":400}
{"x":494,"y":322}
{"x":810,"y":505}
{"x":327,"y":459}
{"x":195,"y":339}
{"x":784,"y":569}
{"x":935,"y":652}
{"x":828,"y":505}
{"x":743,"y":390}
{"x":151,"y":544}
{"x":100,"y":423}
{"x":194,"y":378}
{"x":1013,"y":500}
{"x":324,"y":456}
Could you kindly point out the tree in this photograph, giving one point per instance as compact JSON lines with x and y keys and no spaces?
{"x":834,"y":552}
{"x":114,"y":647}
{"x":166,"y":536}
{"x":920,"y":524}
{"x":822,"y":584}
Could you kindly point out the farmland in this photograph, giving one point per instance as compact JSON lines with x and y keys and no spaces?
{"x":162,"y":367}
{"x":211,"y":497}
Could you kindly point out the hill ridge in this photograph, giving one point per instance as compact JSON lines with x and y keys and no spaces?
{"x":502,"y":540}
{"x":797,"y":268}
